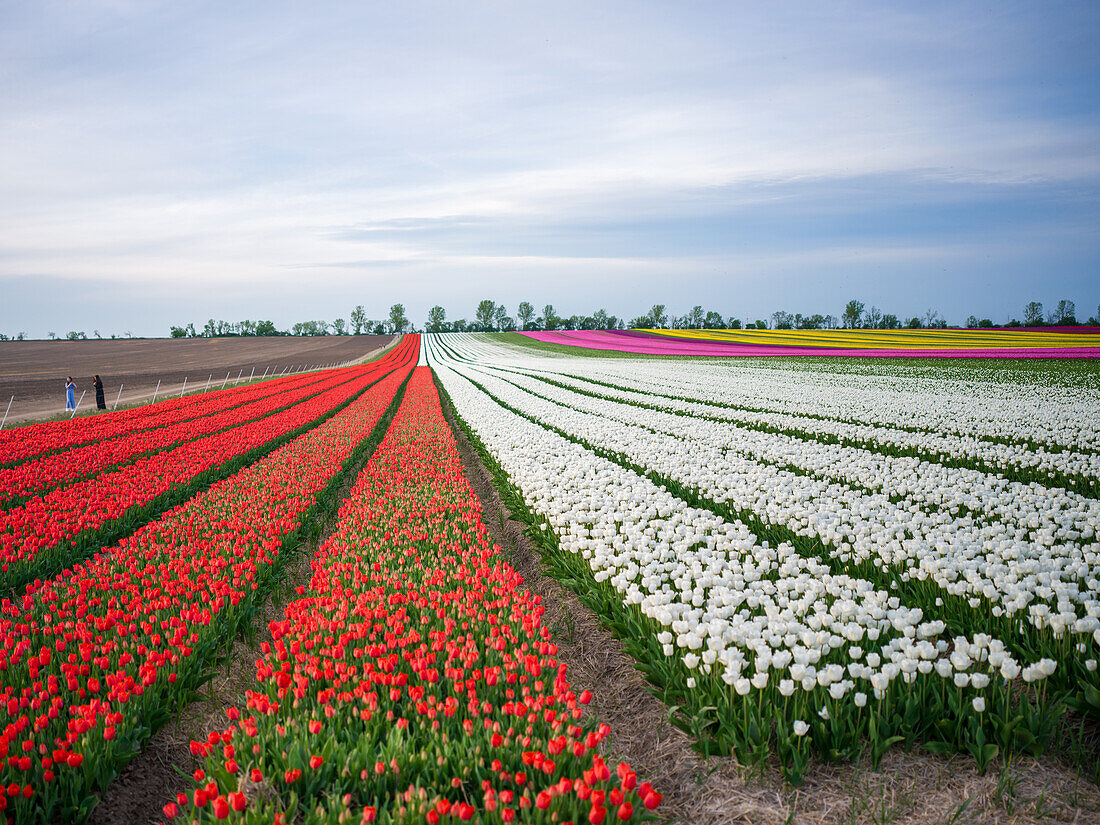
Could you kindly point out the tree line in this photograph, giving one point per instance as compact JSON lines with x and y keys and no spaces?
{"x":490,"y":316}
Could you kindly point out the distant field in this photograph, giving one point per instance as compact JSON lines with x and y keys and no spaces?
{"x":35,"y":371}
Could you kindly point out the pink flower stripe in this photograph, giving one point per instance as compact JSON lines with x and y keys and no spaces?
{"x":413,"y":681}
{"x":649,"y":344}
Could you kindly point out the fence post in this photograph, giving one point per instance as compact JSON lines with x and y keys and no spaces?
{"x":207,"y":383}
{"x":154,"y":401}
{"x":239,"y":374}
{"x":184,"y":386}
{"x":251,"y":375}
{"x":77,"y":407}
{"x":226,"y":381}
{"x":8,"y":410}
{"x":265,"y":374}
{"x":117,"y":397}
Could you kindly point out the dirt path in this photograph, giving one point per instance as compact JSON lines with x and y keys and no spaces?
{"x":909,"y":788}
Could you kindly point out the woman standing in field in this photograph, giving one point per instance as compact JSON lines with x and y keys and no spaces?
{"x":70,"y":394}
{"x":100,"y":404}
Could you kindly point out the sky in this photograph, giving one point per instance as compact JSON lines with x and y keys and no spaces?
{"x":167,"y":162}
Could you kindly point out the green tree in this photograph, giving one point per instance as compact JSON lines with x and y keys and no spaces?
{"x":339,"y":327}
{"x":1065,"y":314}
{"x":1033,"y":314}
{"x":398,"y":321}
{"x":437,"y":317}
{"x":658,"y":316}
{"x":266,"y":328}
{"x":525,"y":312}
{"x":358,"y":320}
{"x":550,"y":319}
{"x":852,"y":314}
{"x":713,"y":321}
{"x":483,"y":317}
{"x":782,"y":320}
{"x":210,"y":329}
{"x":499,"y":314}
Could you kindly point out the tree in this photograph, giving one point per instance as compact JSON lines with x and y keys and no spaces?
{"x":506,"y":324}
{"x":600,"y":319}
{"x":358,"y":320}
{"x":177,"y":332}
{"x":761,"y":324}
{"x":1065,"y":313}
{"x":73,"y":335}
{"x":852,"y":314}
{"x":932,"y":319}
{"x":641,"y":322}
{"x":713,"y":321}
{"x":525,"y":312}
{"x":339,"y":327}
{"x":1033,"y":314}
{"x":985,"y":323}
{"x":874,"y":317}
{"x":782,"y":320}
{"x":971,"y":321}
{"x":658,"y":316}
{"x":891,"y":321}
{"x":484,"y":315}
{"x":398,"y":321}
{"x":437,"y":317}
{"x":697,"y":316}
{"x":913,"y":323}
{"x":550,"y":319}
{"x":733,"y":323}
{"x":53,"y":336}
{"x":266,"y":328}
{"x":499,"y":314}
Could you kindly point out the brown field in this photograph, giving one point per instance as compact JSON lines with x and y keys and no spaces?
{"x":35,"y":371}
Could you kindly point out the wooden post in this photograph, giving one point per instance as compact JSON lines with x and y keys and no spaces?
{"x":251,"y":375}
{"x":207,"y":383}
{"x":154,"y":401}
{"x":226,"y":381}
{"x":184,"y":386}
{"x":117,"y":397}
{"x":8,"y":410}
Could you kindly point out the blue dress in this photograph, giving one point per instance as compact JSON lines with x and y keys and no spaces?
{"x":70,"y":396}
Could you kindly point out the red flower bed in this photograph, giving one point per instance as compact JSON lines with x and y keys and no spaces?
{"x":47,"y":534}
{"x":50,"y":436}
{"x":36,"y":475}
{"x":414,"y":680}
{"x":98,"y":657}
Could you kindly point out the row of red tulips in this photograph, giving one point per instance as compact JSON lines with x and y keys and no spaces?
{"x":414,"y":680}
{"x":47,"y":534}
{"x":51,"y":436}
{"x":95,"y":660}
{"x":36,"y":475}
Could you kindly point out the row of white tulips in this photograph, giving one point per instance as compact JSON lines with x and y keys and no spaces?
{"x":726,"y":608}
{"x":1052,"y":584}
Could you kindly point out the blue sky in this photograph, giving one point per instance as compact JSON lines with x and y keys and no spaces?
{"x":169,"y":162}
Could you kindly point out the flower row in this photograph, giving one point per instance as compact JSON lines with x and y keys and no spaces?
{"x":46,"y":534}
{"x":414,"y":680}
{"x":35,"y":475}
{"x":17,"y":445}
{"x":761,"y":643}
{"x":95,"y":659}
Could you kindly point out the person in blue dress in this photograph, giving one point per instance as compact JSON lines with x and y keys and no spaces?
{"x":70,"y":394}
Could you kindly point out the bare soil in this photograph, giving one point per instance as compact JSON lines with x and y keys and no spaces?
{"x":35,"y":371}
{"x":908,"y":788}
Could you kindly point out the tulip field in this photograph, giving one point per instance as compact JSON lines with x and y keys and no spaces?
{"x":808,"y":560}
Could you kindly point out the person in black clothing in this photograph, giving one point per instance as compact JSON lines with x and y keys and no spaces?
{"x":99,"y":402}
